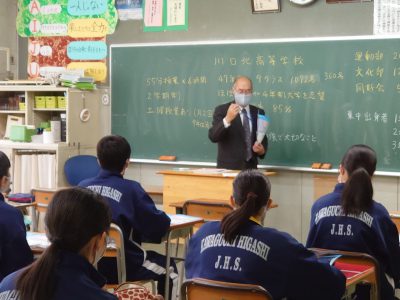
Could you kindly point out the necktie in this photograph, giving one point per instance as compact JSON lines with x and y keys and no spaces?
{"x":247,"y":134}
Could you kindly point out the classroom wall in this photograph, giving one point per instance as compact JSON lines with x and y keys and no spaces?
{"x":8,"y":36}
{"x":233,"y":20}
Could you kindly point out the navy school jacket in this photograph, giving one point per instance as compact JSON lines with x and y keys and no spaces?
{"x":15,"y":252}
{"x":76,"y":279}
{"x":262,"y":256}
{"x":371,"y":232}
{"x":133,"y":211}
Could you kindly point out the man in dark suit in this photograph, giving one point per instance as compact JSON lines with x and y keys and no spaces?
{"x":234,"y":129}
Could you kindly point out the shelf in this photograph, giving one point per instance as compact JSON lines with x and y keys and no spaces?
{"x":12,"y":111}
{"x":49,"y":109}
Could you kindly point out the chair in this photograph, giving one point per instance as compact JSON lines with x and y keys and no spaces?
{"x":200,"y":289}
{"x":116,"y":248}
{"x":42,"y":199}
{"x":80,"y":167}
{"x":359,"y":268}
{"x":209,"y":210}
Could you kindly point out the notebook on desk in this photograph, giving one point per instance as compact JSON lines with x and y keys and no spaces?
{"x":37,"y":240}
{"x":182,"y":219}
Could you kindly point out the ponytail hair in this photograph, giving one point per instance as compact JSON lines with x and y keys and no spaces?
{"x":360,"y":164}
{"x":73,"y":218}
{"x":251,"y":191}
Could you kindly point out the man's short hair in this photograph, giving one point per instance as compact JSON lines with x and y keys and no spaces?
{"x":112,"y":152}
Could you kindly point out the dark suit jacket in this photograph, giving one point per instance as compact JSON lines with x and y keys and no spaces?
{"x":231,"y":144}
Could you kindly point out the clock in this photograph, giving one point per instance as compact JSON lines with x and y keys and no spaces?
{"x":302,"y":2}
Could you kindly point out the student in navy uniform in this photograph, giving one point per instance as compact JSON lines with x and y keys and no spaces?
{"x":349,"y":219}
{"x":239,"y":249}
{"x":14,"y":249}
{"x":134,"y":212}
{"x":76,"y":224}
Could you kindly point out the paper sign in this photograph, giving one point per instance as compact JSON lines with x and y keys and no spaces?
{"x":176,"y":12}
{"x":87,"y":50}
{"x":44,"y":18}
{"x":153,"y":13}
{"x":80,"y":28}
{"x":48,"y":55}
{"x":86,"y":8}
{"x":97,"y":70}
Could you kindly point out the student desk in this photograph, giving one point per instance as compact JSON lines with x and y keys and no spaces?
{"x":181,"y":227}
{"x":395,"y":216}
{"x":185,"y":184}
{"x":22,"y":206}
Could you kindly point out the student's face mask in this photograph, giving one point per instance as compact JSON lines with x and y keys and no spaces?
{"x":5,"y":185}
{"x":242,"y":99}
{"x":100,"y":252}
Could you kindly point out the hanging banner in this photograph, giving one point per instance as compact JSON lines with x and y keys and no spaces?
{"x":49,"y":56}
{"x":53,"y":17}
{"x":66,"y":34}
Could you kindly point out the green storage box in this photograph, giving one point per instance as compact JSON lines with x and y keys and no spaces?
{"x":61,"y":102}
{"x":51,"y":102}
{"x":40,"y":102}
{"x":20,"y":133}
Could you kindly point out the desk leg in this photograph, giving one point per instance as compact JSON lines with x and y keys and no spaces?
{"x":167,"y":265}
{"x":34,"y":219}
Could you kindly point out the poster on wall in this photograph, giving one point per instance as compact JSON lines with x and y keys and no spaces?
{"x":129,"y":9}
{"x":386,"y":16}
{"x":66,"y":34}
{"x":163,"y":15}
{"x":49,"y":56}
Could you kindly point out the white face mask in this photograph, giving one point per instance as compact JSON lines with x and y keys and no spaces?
{"x":242,"y":99}
{"x":99,"y":253}
{"x":5,"y":187}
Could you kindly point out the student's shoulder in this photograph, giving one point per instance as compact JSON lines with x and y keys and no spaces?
{"x":9,"y":282}
{"x":379,"y":209}
{"x":276,"y":236}
{"x":380,"y":213}
{"x":134,"y":186}
{"x":8,"y":211}
{"x":326,"y":200}
{"x":208,"y":229}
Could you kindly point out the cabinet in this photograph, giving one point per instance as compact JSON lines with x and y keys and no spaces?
{"x":87,"y":119}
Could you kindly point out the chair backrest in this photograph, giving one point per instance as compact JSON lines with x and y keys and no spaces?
{"x":200,"y":289}
{"x":43,"y":198}
{"x":209,"y":210}
{"x":116,"y":248}
{"x":80,"y":167}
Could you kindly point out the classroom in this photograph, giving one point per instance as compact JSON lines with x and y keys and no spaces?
{"x":326,"y":34}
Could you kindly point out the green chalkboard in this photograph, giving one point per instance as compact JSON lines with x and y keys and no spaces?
{"x":321,"y":96}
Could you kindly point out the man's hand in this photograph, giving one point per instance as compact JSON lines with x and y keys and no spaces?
{"x":258,"y":148}
{"x":232,"y":112}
